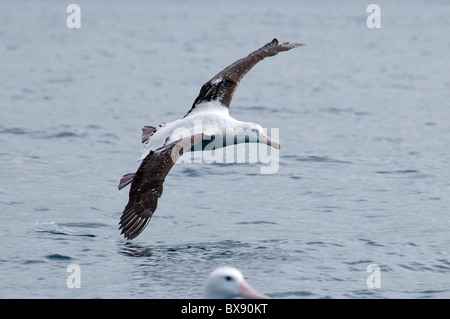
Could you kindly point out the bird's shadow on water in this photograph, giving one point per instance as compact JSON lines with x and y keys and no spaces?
{"x":135,"y":250}
{"x":210,"y":250}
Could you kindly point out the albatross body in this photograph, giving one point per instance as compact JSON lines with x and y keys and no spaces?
{"x":207,"y":120}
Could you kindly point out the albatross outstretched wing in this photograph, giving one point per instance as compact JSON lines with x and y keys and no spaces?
{"x":147,"y":185}
{"x":222,"y":86}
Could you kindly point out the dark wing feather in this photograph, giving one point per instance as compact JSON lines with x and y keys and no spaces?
{"x":222,"y":86}
{"x":147,"y":185}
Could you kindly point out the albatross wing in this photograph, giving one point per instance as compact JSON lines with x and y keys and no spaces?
{"x":147,"y":185}
{"x":222,"y":86}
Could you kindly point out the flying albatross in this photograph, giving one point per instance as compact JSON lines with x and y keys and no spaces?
{"x":166,"y":144}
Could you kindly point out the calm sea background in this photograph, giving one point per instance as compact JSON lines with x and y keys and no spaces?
{"x":364,"y":122}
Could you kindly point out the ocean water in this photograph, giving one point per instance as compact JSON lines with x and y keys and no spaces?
{"x":364,"y":170}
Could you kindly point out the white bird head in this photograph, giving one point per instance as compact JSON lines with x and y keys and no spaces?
{"x":228,"y":283}
{"x":249,"y":132}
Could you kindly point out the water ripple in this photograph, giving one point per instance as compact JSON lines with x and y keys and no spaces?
{"x":58,"y":257}
{"x":320,"y":159}
{"x":68,"y":229}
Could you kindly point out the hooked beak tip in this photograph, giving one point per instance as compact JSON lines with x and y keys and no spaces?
{"x":275,"y":144}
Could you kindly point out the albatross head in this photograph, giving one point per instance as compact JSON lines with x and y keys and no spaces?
{"x":253,"y":133}
{"x":228,"y":283}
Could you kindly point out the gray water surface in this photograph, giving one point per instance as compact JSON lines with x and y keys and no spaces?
{"x":364,"y":173}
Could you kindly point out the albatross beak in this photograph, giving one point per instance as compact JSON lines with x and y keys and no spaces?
{"x":245,"y":291}
{"x":266,"y":140}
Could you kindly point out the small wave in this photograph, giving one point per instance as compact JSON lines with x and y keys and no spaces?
{"x":431,"y":292}
{"x":14,"y":131}
{"x":371,"y":242}
{"x":442,"y":266}
{"x":336,"y":110}
{"x":191,"y":172}
{"x":12,"y":203}
{"x":394,"y":140}
{"x":64,"y":134}
{"x":66,"y":79}
{"x":358,"y":262}
{"x":63,"y":229}
{"x":365,"y":292}
{"x":320,"y":159}
{"x":416,"y":266}
{"x":58,"y":257}
{"x":290,"y":294}
{"x":33,"y":261}
{"x":320,"y":243}
{"x":328,"y":209}
{"x":256,"y":222}
{"x":83,"y":225}
{"x":40,"y":134}
{"x":255,"y":108}
{"x":406,"y":171}
{"x":93,"y":126}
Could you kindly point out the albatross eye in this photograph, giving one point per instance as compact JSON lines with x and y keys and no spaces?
{"x":228,"y":278}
